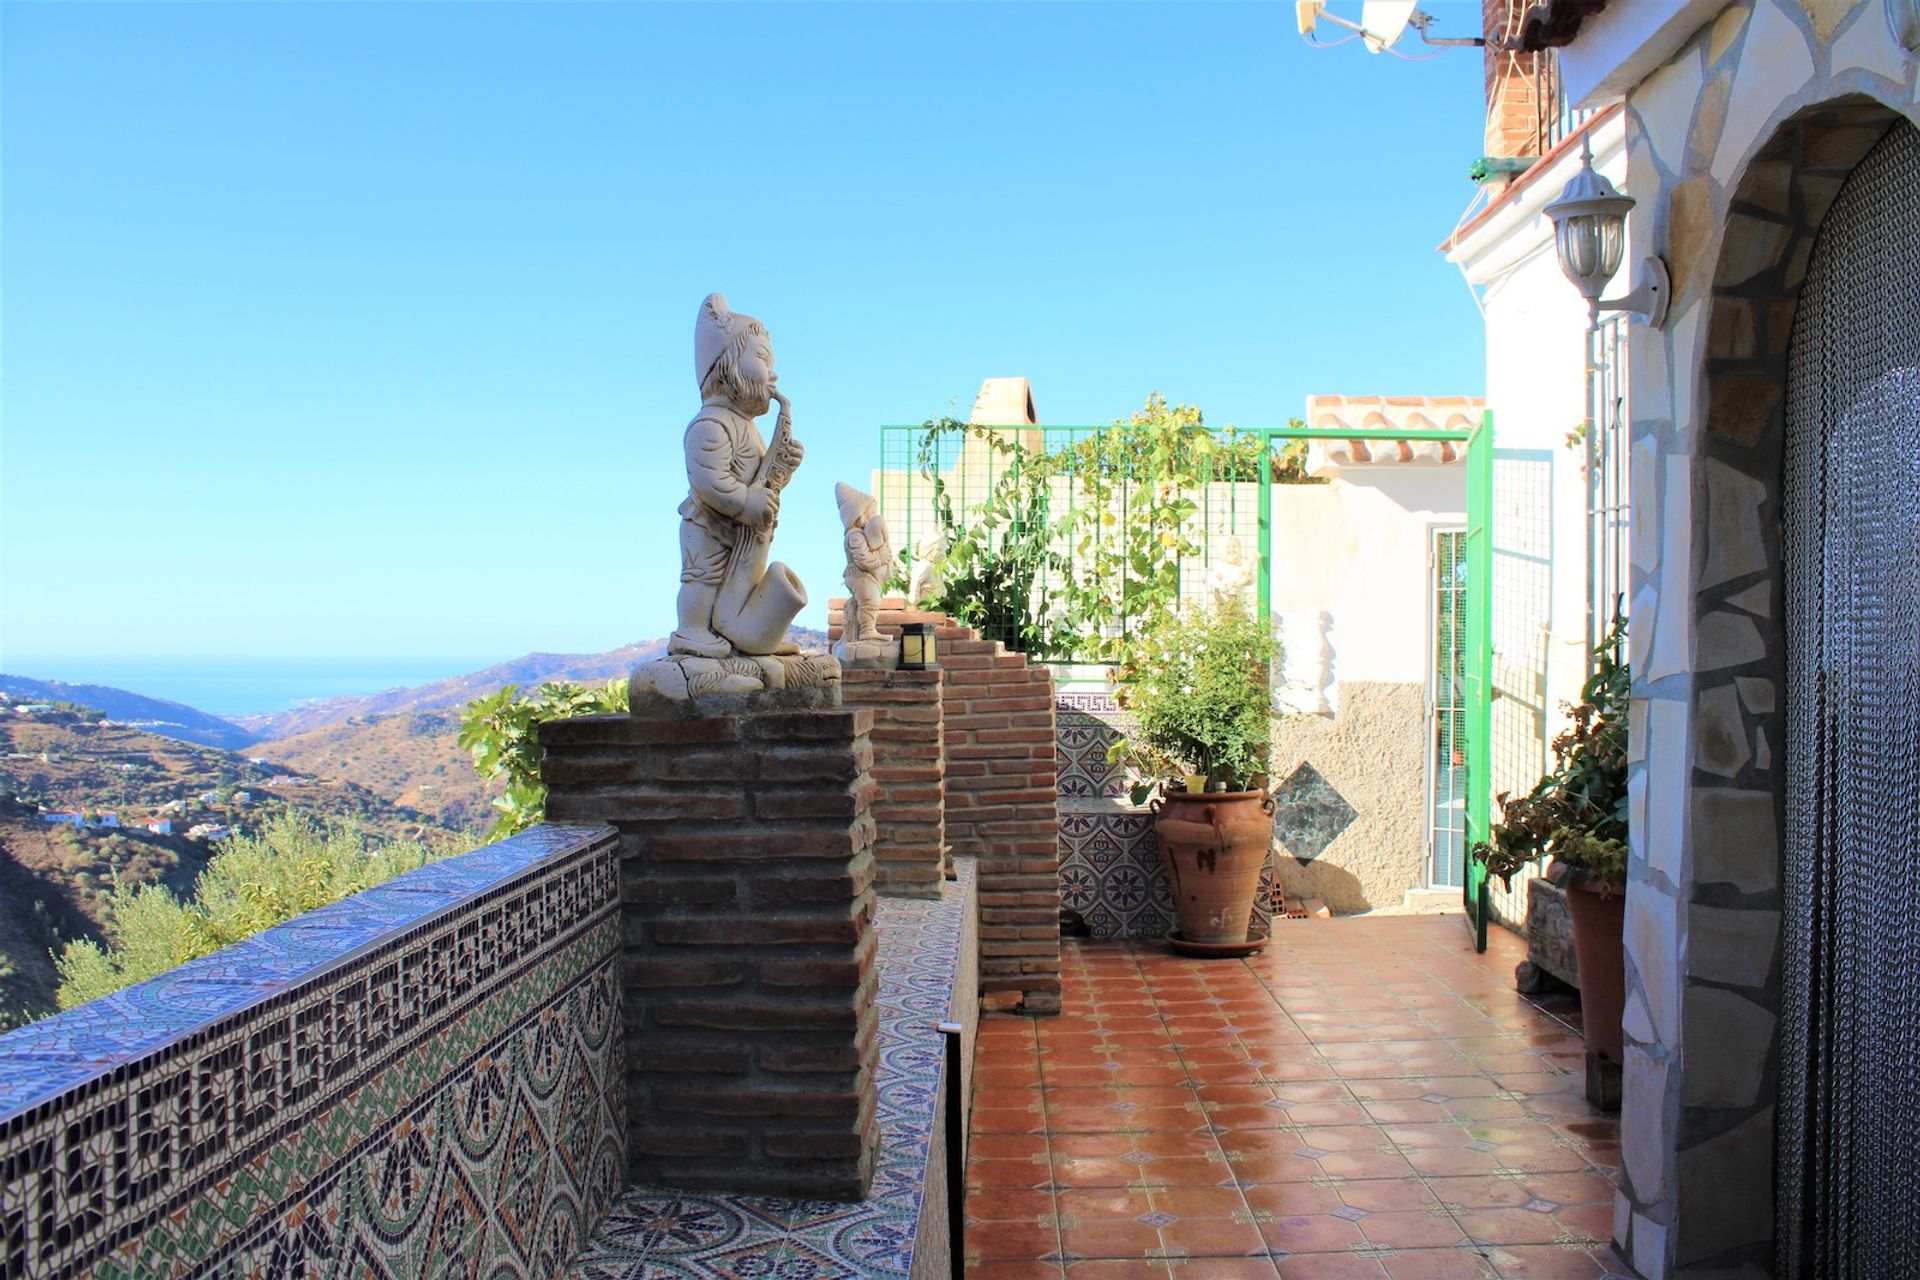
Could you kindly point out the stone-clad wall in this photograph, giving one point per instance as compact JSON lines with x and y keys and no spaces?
{"x":1737,"y":146}
{"x":425,"y":1075}
{"x":1001,"y":806}
{"x":746,"y":888}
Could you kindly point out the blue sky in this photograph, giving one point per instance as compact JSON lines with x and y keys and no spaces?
{"x":365,"y":330}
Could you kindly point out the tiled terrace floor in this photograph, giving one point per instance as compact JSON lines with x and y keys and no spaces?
{"x":1368,"y":1098}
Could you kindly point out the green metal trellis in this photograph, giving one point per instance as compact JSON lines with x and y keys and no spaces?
{"x":905,"y":496}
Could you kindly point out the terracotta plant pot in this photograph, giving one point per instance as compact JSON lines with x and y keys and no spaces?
{"x":1599,"y":912}
{"x":1214,"y":846}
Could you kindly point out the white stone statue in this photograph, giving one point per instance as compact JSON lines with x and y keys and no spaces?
{"x":928,"y":577}
{"x":734,"y":606}
{"x":1230,"y":575}
{"x":869,"y":564}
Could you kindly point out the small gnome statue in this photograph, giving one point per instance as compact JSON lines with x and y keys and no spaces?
{"x":869,"y":565}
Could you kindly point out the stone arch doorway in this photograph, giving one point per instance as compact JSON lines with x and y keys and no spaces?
{"x":1760,"y":1174}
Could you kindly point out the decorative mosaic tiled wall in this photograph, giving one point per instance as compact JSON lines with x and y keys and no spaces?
{"x":1110,"y":869}
{"x":413,"y":1081}
{"x":928,"y":967}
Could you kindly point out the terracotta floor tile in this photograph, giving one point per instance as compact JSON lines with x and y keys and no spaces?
{"x":1292,"y":1199}
{"x":1182,"y":1143}
{"x":1006,"y":1077}
{"x":1554,"y":1262}
{"x":1439,"y":1264}
{"x":1200,"y":1202}
{"x":1389,"y":1195}
{"x":1327,"y":1113}
{"x":1110,"y":1145}
{"x":1225,"y":1269}
{"x":1007,"y":1174}
{"x":1119,"y":1269}
{"x":1272,"y":1168}
{"x":1006,"y":1146}
{"x":1094,"y":1204}
{"x":1409,"y":1111}
{"x":1006,"y":1099}
{"x":1329,"y":1266}
{"x":1315,"y":1233}
{"x":1572,"y":1188}
{"x":1004,"y":1270}
{"x":1094,"y":1171}
{"x":1404,"y":1065}
{"x":1008,"y":1120}
{"x":1262,"y":1116}
{"x":1109,"y":1238}
{"x":1510,"y":1226}
{"x":1185,"y":1171}
{"x":1365,"y":1164}
{"x":1433,"y":1228}
{"x":1007,"y":1205}
{"x":1015,"y":1241}
{"x":1210,"y":1238}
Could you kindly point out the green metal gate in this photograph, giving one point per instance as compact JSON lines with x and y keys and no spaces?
{"x":1479,"y":668}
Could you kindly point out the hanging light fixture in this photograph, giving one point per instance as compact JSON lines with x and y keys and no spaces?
{"x":1903,"y":23}
{"x":1590,"y":239}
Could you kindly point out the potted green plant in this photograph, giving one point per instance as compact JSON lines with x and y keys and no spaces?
{"x":1196,"y":683}
{"x":1577,"y":815}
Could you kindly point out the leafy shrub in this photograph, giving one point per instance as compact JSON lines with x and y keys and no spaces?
{"x":252,"y":883}
{"x":1577,"y":813}
{"x":1196,"y":683}
{"x":1069,"y":583}
{"x":501,"y":731}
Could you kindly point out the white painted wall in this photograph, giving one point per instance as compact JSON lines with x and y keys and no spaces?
{"x":1536,"y":324}
{"x":1357,"y":548}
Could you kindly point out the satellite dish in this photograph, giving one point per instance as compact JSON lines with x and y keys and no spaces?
{"x":1382,"y":21}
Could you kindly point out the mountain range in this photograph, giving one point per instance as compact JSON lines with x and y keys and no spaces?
{"x":155,"y":715}
{"x":399,"y":745}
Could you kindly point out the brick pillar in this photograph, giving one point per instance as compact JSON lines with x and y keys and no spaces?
{"x":1002,"y":802}
{"x":1514,"y":83}
{"x":747,"y":904}
{"x":910,"y":774}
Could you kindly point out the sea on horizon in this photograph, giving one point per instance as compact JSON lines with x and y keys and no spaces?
{"x":244,"y":686}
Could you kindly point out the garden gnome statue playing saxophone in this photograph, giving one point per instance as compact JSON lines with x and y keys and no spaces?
{"x":734,"y":607}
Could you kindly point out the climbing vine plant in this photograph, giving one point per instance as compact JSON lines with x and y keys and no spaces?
{"x":1073,"y":545}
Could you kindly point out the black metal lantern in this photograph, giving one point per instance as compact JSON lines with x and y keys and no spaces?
{"x":917,"y":646}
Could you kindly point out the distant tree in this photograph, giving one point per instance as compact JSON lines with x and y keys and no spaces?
{"x":501,"y":732}
{"x":253,"y":882}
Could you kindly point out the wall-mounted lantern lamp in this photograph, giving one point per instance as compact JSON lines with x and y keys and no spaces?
{"x":917,"y":646}
{"x":1903,"y":24}
{"x":1590,"y":237}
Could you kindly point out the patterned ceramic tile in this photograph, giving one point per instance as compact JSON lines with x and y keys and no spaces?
{"x":658,"y":1234}
{"x":412,"y":1081}
{"x":1085,"y":725}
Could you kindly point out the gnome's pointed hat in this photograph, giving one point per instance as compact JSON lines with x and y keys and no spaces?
{"x":715,"y":327}
{"x":853,"y":503}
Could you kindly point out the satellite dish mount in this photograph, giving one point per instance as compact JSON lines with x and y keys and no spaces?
{"x":1382,"y":23}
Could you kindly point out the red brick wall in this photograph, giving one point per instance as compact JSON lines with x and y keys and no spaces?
{"x":1002,"y":803}
{"x":746,"y":887}
{"x":1513,"y":83}
{"x":909,"y":774}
